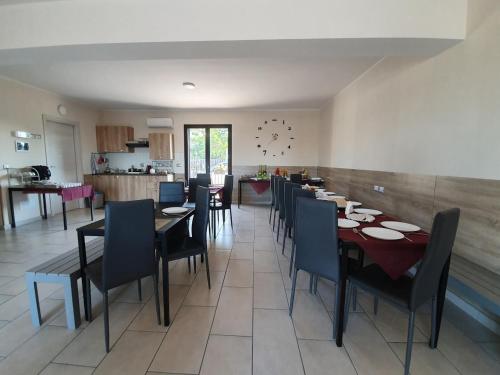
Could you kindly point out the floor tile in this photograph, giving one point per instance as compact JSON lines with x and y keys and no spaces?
{"x":242,"y":250}
{"x":239,"y":273}
{"x":131,"y":354}
{"x":324,"y":357}
{"x":228,"y":355}
{"x":493,"y":349}
{"x":200,"y":295}
{"x":183,"y":348}
{"x":58,"y":369}
{"x":88,"y":348}
{"x":269,"y":292}
{"x":275,"y":348}
{"x":234,"y":312}
{"x":265,"y":262}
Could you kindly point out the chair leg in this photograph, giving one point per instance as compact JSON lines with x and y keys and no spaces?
{"x":208,"y":270}
{"x":350,"y":290}
{"x":89,"y":300}
{"x":202,"y":258}
{"x":224,"y":216}
{"x":284,"y":238}
{"x":409,"y":343}
{"x":270,"y":214}
{"x":231,"y":217}
{"x":157,"y":297}
{"x":337,"y":323}
{"x":106,"y":320}
{"x":189,"y":264}
{"x":139,"y":289}
{"x":278,"y":235}
{"x":375,"y":305}
{"x":311,"y":282}
{"x":194,"y":264}
{"x":292,"y":255}
{"x":316,"y":279}
{"x":433,"y":322}
{"x":354,"y":298}
{"x":292,"y":293}
{"x":274,"y":219}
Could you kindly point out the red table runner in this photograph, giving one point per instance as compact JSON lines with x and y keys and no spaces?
{"x":260,"y":186}
{"x":394,"y":257}
{"x":76,"y":192}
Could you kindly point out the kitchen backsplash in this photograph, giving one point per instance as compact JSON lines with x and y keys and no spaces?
{"x":139,"y":159}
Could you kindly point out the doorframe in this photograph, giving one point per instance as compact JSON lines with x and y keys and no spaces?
{"x":207,"y":127}
{"x":76,"y":139}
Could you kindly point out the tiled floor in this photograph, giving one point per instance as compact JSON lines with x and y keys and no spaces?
{"x":240,"y":326}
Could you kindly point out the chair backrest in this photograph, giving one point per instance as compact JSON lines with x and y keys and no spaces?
{"x":276,"y":192}
{"x":227,"y":191}
{"x":203,"y":179}
{"x":289,"y":187}
{"x":172,"y":192}
{"x":129,"y":242}
{"x":296,"y":178}
{"x":316,"y":238}
{"x":437,"y":255}
{"x":200,"y":220}
{"x":297,"y":191}
{"x":281,"y":197}
{"x":192,"y":184}
{"x":272,"y":189}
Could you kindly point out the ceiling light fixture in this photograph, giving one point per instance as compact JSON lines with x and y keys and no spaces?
{"x":189,"y":85}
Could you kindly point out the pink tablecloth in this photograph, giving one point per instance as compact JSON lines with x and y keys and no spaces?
{"x":394,"y":257}
{"x":77,"y":192}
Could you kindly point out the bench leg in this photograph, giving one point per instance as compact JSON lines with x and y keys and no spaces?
{"x":36,"y":317}
{"x":72,"y":303}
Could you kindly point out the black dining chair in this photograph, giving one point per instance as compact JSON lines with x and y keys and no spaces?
{"x":297,"y":192}
{"x":129,"y":253}
{"x":281,"y":204}
{"x":296,"y":178}
{"x":203,"y":179}
{"x":196,"y":244}
{"x":272,"y":197}
{"x":226,"y":199}
{"x":316,"y":242}
{"x":172,"y":192}
{"x":289,"y":186}
{"x":276,"y":198}
{"x":409,"y":293}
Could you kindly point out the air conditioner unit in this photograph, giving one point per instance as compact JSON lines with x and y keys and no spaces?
{"x":159,"y":122}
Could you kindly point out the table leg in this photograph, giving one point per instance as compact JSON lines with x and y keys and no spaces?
{"x":11,"y":206}
{"x":64,"y":216}
{"x":343,"y":281}
{"x":166,"y":292}
{"x":239,"y":194}
{"x":44,"y":206}
{"x":83,"y":263}
{"x":91,"y":205}
{"x":441,"y":297}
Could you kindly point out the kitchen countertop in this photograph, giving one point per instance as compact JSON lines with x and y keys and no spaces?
{"x":127,"y":174}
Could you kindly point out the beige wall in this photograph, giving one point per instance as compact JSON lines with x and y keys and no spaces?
{"x":244,"y":123}
{"x":21,"y":108}
{"x":438,"y":116}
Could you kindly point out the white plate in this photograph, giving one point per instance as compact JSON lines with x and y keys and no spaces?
{"x":365,"y":218}
{"x":383,"y":233}
{"x":398,"y":225}
{"x":356,"y":204}
{"x":368,"y":211}
{"x":174,"y":210}
{"x":346,"y":223}
{"x":329,"y":192}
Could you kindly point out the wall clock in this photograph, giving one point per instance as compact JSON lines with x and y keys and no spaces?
{"x":274,"y":138}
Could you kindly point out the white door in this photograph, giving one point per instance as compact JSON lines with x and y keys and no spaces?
{"x":61,"y":160}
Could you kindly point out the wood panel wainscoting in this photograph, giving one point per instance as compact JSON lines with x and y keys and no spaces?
{"x":416,"y":198}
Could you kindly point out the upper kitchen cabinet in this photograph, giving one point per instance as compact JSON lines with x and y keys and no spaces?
{"x":114,"y":138}
{"x":161,"y":146}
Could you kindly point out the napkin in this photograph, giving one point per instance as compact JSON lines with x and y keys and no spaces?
{"x":306,"y":187}
{"x":349,"y":208}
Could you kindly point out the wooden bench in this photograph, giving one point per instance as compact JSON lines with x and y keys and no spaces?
{"x":63,"y":269}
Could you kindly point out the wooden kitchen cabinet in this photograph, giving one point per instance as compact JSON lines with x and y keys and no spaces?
{"x":111,"y":138}
{"x":161,"y":146}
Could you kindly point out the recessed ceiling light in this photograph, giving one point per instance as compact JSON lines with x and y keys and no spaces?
{"x":189,"y":85}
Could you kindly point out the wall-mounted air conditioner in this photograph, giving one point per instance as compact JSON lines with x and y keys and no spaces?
{"x":159,"y":122}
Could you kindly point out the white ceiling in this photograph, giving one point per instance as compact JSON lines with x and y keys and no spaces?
{"x":266,"y":83}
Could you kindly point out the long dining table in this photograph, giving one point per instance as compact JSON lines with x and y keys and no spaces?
{"x":394,"y":257}
{"x":163,"y":224}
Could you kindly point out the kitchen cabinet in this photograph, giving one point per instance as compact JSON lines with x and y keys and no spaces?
{"x":161,"y":146}
{"x":111,"y":138}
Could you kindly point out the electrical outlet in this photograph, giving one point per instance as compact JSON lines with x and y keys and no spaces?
{"x":381,"y":189}
{"x":375,"y":187}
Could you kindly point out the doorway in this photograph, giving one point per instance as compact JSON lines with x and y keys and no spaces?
{"x":61,"y":155}
{"x":208,"y":149}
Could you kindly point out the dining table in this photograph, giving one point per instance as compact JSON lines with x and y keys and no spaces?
{"x":394,"y":257}
{"x":163,"y":224}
